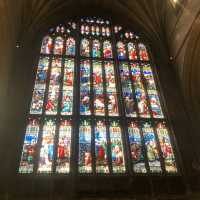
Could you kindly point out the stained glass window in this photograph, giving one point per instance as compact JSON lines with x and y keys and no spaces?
{"x":58,"y":46}
{"x":47,"y":147}
{"x":85,"y":70}
{"x":136,"y":148}
{"x":152,"y":91}
{"x":54,"y":85}
{"x":85,"y":154}
{"x":99,"y":104}
{"x":132,"y":51}
{"x":107,"y":49}
{"x":111,"y":92}
{"x":29,"y":147}
{"x":140,"y":92}
{"x":101,"y":147}
{"x":151,"y":147}
{"x":121,"y":50}
{"x":166,"y":147}
{"x":118,"y":162}
{"x":67,"y":92}
{"x":143,"y":52}
{"x":96,"y":49}
{"x":96,"y":106}
{"x":40,"y":86}
{"x":47,"y":45}
{"x":64,"y":147}
{"x":70,"y":47}
{"x":85,"y":48}
{"x":127,"y":91}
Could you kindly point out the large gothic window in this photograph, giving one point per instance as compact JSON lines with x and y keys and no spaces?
{"x":96,"y":102}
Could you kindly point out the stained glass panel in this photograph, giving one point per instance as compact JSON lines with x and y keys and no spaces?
{"x":107,"y":31}
{"x":70,"y":47}
{"x":85,"y":48}
{"x":107,"y":49}
{"x":111,"y":89}
{"x":118,"y":163}
{"x":97,"y":30}
{"x":47,"y":147}
{"x":47,"y":45}
{"x":152,"y":92}
{"x":87,"y":30}
{"x":137,"y":149}
{"x":151,"y":148}
{"x":37,"y":101}
{"x":132,"y":51}
{"x":140,"y":93}
{"x":85,"y":87}
{"x":101,"y":148}
{"x":58,"y":46}
{"x":40,"y":86}
{"x":54,"y":85}
{"x":55,"y":71}
{"x":52,"y":103}
{"x":42,"y":70}
{"x":129,"y":103}
{"x":29,"y":147}
{"x":64,"y":147}
{"x":96,"y":49}
{"x":85,"y":157}
{"x":99,"y":105}
{"x":67,"y":92}
{"x":117,"y":29}
{"x":166,"y":147}
{"x":129,"y":35}
{"x":103,"y":31}
{"x":121,"y":50}
{"x":82,"y":29}
{"x":143,"y":52}
{"x":93,"y":32}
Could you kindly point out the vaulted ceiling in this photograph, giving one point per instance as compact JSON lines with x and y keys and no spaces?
{"x":23,"y":20}
{"x":25,"y":17}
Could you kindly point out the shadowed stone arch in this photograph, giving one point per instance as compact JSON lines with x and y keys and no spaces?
{"x":191,"y":77}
